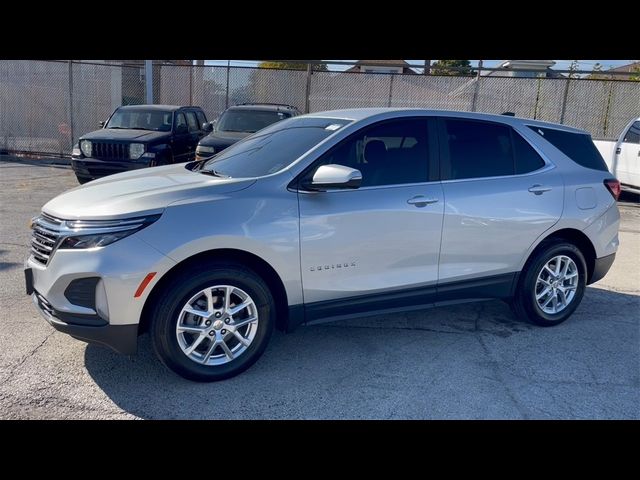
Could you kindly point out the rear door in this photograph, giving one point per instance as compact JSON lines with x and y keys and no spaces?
{"x":629,"y":157}
{"x":500,"y":195}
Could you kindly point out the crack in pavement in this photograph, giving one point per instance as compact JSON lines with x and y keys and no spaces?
{"x":26,"y":357}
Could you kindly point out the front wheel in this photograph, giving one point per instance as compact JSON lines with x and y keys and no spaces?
{"x":551,"y":285}
{"x":214,"y":322}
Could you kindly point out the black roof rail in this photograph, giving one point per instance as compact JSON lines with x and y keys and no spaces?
{"x":508,"y":114}
{"x":267,"y":103}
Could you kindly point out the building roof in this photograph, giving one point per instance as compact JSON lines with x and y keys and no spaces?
{"x":406,"y":68}
{"x":383,"y":63}
{"x":629,"y":68}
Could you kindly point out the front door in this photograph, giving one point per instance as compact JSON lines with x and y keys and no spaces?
{"x":628,"y":171}
{"x":360,"y":248}
{"x":500,"y":196}
{"x":181,"y":139}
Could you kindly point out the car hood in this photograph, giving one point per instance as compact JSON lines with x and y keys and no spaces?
{"x":144,"y":191}
{"x":223,"y":138}
{"x":125,"y":134}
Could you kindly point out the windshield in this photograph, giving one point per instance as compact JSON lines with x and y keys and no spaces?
{"x":248,"y":121}
{"x":273,"y":149}
{"x":155,"y":120}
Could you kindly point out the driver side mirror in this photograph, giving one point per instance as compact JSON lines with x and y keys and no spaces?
{"x":101,"y":124}
{"x":207,"y":127}
{"x":182,"y":128}
{"x":334,"y":176}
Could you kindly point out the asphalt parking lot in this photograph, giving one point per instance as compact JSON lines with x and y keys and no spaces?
{"x":467,"y":361}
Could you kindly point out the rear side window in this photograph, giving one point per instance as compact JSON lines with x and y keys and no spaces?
{"x":527,"y":159}
{"x":477,"y":149}
{"x":577,"y":146}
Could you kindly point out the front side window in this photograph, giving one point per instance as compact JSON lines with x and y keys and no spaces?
{"x":633,"y":135}
{"x":477,"y":149}
{"x":391,"y":153}
{"x":180,"y":120}
{"x":248,"y":121}
{"x":140,"y":119}
{"x":201,"y":118}
{"x":192,"y":122}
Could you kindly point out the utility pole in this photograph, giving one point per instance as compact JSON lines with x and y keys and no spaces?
{"x":148,"y":80}
{"x":427,"y":67}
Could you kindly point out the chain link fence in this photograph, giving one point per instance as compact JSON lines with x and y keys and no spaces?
{"x":46,"y":105}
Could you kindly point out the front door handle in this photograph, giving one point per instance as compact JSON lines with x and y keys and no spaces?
{"x":421,"y":201}
{"x":539,"y":189}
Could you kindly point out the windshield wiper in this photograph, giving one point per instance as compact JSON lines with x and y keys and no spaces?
{"x":214,"y":173}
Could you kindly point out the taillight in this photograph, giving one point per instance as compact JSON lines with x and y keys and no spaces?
{"x":613,"y":185}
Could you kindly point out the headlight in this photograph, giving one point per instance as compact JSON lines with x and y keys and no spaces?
{"x":100,"y":233}
{"x":205,"y":149}
{"x":86,"y":147}
{"x":136,"y":150}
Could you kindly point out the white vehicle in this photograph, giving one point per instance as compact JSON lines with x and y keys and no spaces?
{"x":623,"y":156}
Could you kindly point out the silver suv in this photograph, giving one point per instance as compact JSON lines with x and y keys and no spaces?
{"x":326,"y":216}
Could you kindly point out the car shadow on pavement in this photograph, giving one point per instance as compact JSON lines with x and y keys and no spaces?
{"x":361,"y":368}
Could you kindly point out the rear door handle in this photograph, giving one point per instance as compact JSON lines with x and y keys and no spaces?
{"x":421,"y":201}
{"x":539,"y":189}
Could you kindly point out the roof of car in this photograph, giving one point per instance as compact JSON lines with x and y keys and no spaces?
{"x":273,"y":107}
{"x":164,"y":108}
{"x":358,"y":114}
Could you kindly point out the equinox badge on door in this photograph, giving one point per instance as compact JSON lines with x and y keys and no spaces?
{"x":332,"y":266}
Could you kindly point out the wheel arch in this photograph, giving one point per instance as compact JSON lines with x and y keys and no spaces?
{"x":577,"y":238}
{"x":242,"y":257}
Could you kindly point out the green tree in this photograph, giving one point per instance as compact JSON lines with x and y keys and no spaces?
{"x":278,"y":64}
{"x":635,"y":73}
{"x":452,"y":67}
{"x":597,"y":72}
{"x":574,"y":67}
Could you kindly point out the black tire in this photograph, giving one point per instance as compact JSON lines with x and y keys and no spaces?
{"x":83,"y":180}
{"x":524,"y":304}
{"x":180,"y":289}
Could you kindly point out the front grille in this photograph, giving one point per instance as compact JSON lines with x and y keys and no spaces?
{"x":44,"y":237}
{"x":110,"y":150}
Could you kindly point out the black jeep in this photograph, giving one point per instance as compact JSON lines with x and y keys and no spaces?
{"x":240,"y":121}
{"x":139,"y":136}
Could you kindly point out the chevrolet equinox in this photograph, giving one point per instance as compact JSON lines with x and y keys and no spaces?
{"x":326,"y":216}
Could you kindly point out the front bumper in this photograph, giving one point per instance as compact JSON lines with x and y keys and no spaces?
{"x":93,"y":168}
{"x":120,"y":268}
{"x":121,"y":338}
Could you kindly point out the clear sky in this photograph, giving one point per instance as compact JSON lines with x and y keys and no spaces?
{"x":560,"y":64}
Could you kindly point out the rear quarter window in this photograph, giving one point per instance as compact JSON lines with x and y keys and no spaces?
{"x":577,"y":146}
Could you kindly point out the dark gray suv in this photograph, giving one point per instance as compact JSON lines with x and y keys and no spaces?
{"x":239,"y":121}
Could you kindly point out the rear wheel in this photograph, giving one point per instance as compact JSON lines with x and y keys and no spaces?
{"x":214,"y":322}
{"x":551,"y":285}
